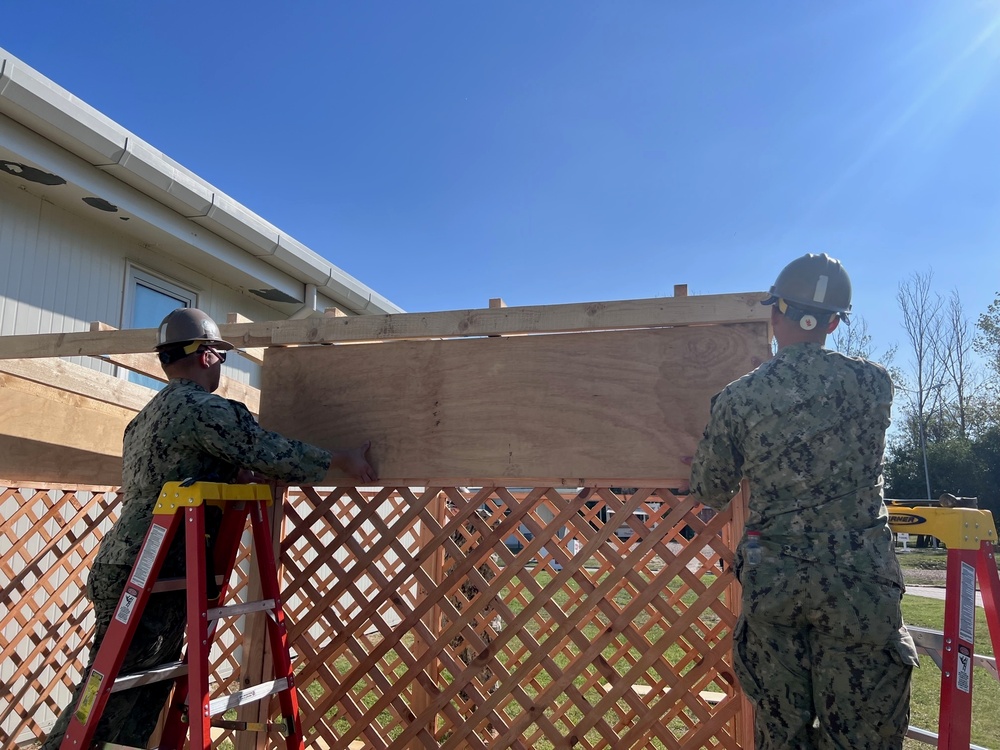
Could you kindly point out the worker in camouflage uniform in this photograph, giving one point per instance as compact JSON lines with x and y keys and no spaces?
{"x":183,"y":432}
{"x":819,"y":648}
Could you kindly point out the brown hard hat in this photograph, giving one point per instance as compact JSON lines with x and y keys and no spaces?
{"x":189,"y":325}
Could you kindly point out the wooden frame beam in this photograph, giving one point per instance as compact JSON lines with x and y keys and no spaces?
{"x":501,"y":321}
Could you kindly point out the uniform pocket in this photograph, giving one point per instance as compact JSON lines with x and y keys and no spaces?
{"x":742,"y":664}
{"x":903,"y":649}
{"x":885,"y":706}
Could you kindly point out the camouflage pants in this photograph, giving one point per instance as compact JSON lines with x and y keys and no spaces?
{"x":824,"y":657}
{"x":131,"y":715}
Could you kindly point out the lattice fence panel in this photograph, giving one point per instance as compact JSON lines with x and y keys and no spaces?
{"x":48,"y":537}
{"x":442,"y":617}
{"x":452,"y":617}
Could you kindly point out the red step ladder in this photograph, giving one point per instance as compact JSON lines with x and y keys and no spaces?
{"x":971,"y":538}
{"x":190,"y":705}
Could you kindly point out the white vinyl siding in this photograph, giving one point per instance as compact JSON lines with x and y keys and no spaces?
{"x":59,"y":272}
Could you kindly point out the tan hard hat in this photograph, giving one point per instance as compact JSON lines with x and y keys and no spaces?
{"x":189,"y":325}
{"x":816,"y":283}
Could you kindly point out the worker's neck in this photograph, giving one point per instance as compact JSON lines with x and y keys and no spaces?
{"x":791,"y":338}
{"x":199,"y":375}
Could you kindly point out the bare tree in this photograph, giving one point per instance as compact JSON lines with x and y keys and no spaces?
{"x":988,"y":341}
{"x":956,"y":355}
{"x":855,"y":340}
{"x":922,"y":321}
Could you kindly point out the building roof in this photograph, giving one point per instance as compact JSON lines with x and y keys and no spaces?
{"x":76,"y":157}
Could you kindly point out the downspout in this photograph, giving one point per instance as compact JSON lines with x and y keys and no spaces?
{"x":310,"y":304}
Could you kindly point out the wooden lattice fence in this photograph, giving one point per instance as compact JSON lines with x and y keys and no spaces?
{"x":441,"y":617}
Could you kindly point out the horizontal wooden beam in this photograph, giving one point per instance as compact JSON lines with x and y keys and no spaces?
{"x":82,"y":381}
{"x":254,"y":354}
{"x":147,"y":364}
{"x":502,"y":321}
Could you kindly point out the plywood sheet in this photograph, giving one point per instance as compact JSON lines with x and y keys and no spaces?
{"x":559,"y":408}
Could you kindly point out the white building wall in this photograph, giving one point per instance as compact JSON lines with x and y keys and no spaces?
{"x":60,"y":271}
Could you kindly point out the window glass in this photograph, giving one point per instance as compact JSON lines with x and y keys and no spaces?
{"x":151,"y":299}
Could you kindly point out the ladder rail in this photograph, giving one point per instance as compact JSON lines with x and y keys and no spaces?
{"x":111,"y":653}
{"x":276,"y":629}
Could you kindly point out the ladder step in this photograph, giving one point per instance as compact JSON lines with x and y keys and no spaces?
{"x":931,"y":738}
{"x":254,"y":726}
{"x":235,"y":610}
{"x":249,"y":695}
{"x":176,"y":584}
{"x":931,"y":642}
{"x":169,"y":671}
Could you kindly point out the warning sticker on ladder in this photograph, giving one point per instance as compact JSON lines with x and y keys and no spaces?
{"x":154,"y":540}
{"x":963,"y":679}
{"x":126,"y":605}
{"x":90,"y":693}
{"x":967,"y":600}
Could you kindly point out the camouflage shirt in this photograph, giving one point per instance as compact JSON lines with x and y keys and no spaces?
{"x":185,"y":431}
{"x":807,"y":430}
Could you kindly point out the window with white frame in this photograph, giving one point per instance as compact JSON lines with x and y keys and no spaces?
{"x":148,"y":299}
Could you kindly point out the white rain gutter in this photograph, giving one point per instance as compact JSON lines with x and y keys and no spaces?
{"x":311,"y":305}
{"x":39,"y":105}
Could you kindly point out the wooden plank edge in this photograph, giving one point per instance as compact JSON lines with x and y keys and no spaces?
{"x":35,"y":484}
{"x":507,"y":482}
{"x":658,"y":312}
{"x":79,"y":380}
{"x":83,"y":381}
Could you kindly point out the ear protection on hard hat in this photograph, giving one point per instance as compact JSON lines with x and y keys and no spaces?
{"x":807,"y":319}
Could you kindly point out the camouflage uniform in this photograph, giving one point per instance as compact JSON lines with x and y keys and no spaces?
{"x":820,"y":647}
{"x":183,"y":432}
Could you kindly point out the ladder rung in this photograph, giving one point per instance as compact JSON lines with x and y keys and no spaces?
{"x":931,"y":642}
{"x":253,"y":726}
{"x":176,"y":584}
{"x":169,"y":671}
{"x":931,"y":738}
{"x":235,"y":610}
{"x":249,"y":695}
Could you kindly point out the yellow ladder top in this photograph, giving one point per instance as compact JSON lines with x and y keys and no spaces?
{"x":958,"y":528}
{"x":175,"y":495}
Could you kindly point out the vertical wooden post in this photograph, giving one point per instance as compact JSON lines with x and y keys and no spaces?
{"x":743,"y":721}
{"x":257,"y":663}
{"x":432,"y":620}
{"x":496,"y":303}
{"x":680,"y":290}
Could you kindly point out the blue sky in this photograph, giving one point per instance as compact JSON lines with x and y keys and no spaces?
{"x":546,"y":152}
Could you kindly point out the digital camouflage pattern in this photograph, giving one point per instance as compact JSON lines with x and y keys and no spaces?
{"x":186,"y":432}
{"x":821,"y":637}
{"x":183,"y":432}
